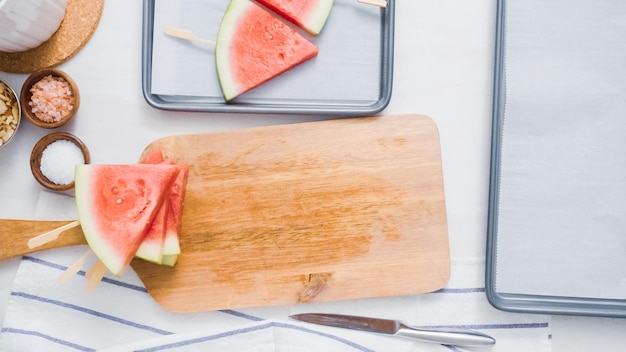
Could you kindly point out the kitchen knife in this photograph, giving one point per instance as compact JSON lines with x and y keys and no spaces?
{"x":456,"y":337}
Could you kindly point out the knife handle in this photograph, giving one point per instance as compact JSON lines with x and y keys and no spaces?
{"x":456,"y":337}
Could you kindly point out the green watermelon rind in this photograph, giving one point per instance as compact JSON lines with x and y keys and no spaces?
{"x":169,"y":259}
{"x":88,"y":220}
{"x":171,"y":245}
{"x":147,"y":252}
{"x":225,"y":35}
{"x":151,"y":250}
{"x":317,"y":19}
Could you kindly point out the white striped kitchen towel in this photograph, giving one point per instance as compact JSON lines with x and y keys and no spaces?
{"x":43,"y":315}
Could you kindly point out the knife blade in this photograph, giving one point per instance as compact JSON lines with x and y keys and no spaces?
{"x":456,"y":337}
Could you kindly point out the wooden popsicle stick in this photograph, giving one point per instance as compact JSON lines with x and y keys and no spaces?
{"x":92,"y":270}
{"x":185,"y":34}
{"x":94,"y":275}
{"x":379,"y":3}
{"x":50,"y":236}
{"x":74,"y":268}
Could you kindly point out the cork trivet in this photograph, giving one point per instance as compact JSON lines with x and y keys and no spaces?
{"x":78,"y":25}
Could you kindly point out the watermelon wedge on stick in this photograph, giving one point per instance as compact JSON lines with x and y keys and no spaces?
{"x":170,"y":242}
{"x":116,"y":206}
{"x":171,"y":245}
{"x":310,"y":15}
{"x":151,"y":248}
{"x":154,"y":157}
{"x":253,"y":47}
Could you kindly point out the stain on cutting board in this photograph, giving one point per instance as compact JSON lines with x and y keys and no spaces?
{"x":273,"y":230}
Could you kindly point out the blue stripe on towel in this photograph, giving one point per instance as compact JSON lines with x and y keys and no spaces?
{"x":197,"y":340}
{"x":332,"y":337}
{"x":91,"y":312}
{"x":129,"y":286}
{"x":47,"y":337}
{"x":241,"y":315}
{"x":44,"y":262}
{"x":82,"y":273}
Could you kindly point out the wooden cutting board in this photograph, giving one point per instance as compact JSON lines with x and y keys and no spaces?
{"x":308,"y":212}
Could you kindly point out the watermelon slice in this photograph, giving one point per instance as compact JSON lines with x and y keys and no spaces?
{"x":253,"y":47}
{"x":171,"y":246}
{"x":310,"y":15}
{"x":151,"y":248}
{"x":154,"y":157}
{"x":117,"y":204}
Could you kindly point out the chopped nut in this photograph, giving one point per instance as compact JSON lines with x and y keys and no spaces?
{"x":9,"y":113}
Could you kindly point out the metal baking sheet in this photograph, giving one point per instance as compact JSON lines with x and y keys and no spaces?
{"x":351,"y":76}
{"x":551,"y":275}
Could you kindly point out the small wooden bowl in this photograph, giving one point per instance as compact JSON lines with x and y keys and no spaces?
{"x":26,"y":95}
{"x":9,"y":123}
{"x":36,"y":154}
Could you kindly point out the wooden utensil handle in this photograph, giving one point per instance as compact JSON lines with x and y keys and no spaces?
{"x":14,"y":236}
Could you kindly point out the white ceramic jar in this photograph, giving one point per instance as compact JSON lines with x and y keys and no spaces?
{"x":26,"y":24}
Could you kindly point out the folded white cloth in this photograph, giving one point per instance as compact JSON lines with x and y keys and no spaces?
{"x":44,"y":315}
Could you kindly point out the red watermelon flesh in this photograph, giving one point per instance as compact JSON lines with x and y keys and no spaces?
{"x":154,"y":157}
{"x":171,"y":248}
{"x":310,"y":15}
{"x":151,"y":248}
{"x":170,"y":243}
{"x":117,"y":204}
{"x":253,"y":47}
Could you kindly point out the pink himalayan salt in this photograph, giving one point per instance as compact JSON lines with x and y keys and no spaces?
{"x":51,"y":99}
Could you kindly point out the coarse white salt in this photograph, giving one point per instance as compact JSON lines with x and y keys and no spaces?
{"x":59,"y":160}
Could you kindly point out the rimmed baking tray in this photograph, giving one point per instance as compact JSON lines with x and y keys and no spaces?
{"x":351,"y":76}
{"x":545,"y":255}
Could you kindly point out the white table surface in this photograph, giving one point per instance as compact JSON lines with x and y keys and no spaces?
{"x":443,"y":68}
